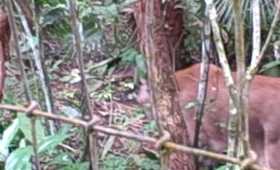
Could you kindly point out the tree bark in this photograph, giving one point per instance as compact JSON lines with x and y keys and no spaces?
{"x":4,"y":47}
{"x":156,"y":40}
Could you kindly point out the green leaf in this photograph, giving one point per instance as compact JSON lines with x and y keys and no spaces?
{"x":132,"y":56}
{"x":150,"y":128}
{"x":19,"y":159}
{"x":25,"y":127}
{"x":51,"y":142}
{"x":222,"y":168}
{"x":77,"y":166}
{"x":108,"y":12}
{"x":53,"y":15}
{"x":113,"y":162}
{"x":61,"y":160}
{"x":7,"y":138}
{"x":269,"y":65}
{"x":146,"y":163}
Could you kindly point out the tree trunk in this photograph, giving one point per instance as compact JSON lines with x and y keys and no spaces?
{"x":159,"y":28}
{"x":4,"y":47}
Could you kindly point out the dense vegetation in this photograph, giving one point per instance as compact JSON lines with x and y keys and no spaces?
{"x":113,"y":68}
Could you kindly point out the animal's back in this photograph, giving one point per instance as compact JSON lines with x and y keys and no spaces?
{"x":264,"y":115}
{"x":264,"y":101}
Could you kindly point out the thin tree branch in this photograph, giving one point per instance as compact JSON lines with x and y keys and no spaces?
{"x":78,"y":41}
{"x":33,"y":105}
{"x":256,"y":15}
{"x":203,"y":81}
{"x":233,"y":99}
{"x":37,"y":58}
{"x":14,"y":29}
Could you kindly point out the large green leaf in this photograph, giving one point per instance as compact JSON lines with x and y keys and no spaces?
{"x":7,"y":138}
{"x":51,"y":142}
{"x":25,"y":127}
{"x":62,"y":159}
{"x":52,"y":15}
{"x":108,"y":12}
{"x":19,"y":159}
{"x":225,"y":11}
{"x":270,"y":65}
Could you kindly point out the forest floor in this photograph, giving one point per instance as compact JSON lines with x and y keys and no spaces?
{"x":113,"y":94}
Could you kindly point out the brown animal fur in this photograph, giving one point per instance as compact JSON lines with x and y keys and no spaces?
{"x":264,"y":114}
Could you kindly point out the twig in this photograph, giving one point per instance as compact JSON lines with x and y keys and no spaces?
{"x":203,"y":83}
{"x":233,"y":98}
{"x":13,"y":27}
{"x":102,"y":63}
{"x":42,"y":73}
{"x":33,"y":105}
{"x":256,"y":39}
{"x":203,"y":80}
{"x":68,"y":148}
{"x":94,"y":152}
{"x":78,"y":41}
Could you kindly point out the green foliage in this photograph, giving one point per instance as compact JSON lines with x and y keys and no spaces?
{"x":113,"y":162}
{"x":19,"y":159}
{"x":49,"y":2}
{"x":7,"y":138}
{"x":145,"y":163}
{"x":132,"y":56}
{"x":222,"y":168}
{"x":106,"y":47}
{"x":271,"y":68}
{"x":134,"y":162}
{"x":61,"y":160}
{"x":105,"y":94}
{"x":54,"y":20}
{"x":25,"y":127}
{"x":76,"y":166}
{"x":150,"y":128}
{"x":225,"y":11}
{"x":50,"y":142}
{"x":106,"y":12}
{"x":9,"y":97}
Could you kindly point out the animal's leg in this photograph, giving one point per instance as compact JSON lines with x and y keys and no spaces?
{"x":272,"y":148}
{"x":2,"y":69}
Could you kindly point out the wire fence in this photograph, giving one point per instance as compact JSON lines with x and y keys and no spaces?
{"x":92,"y":126}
